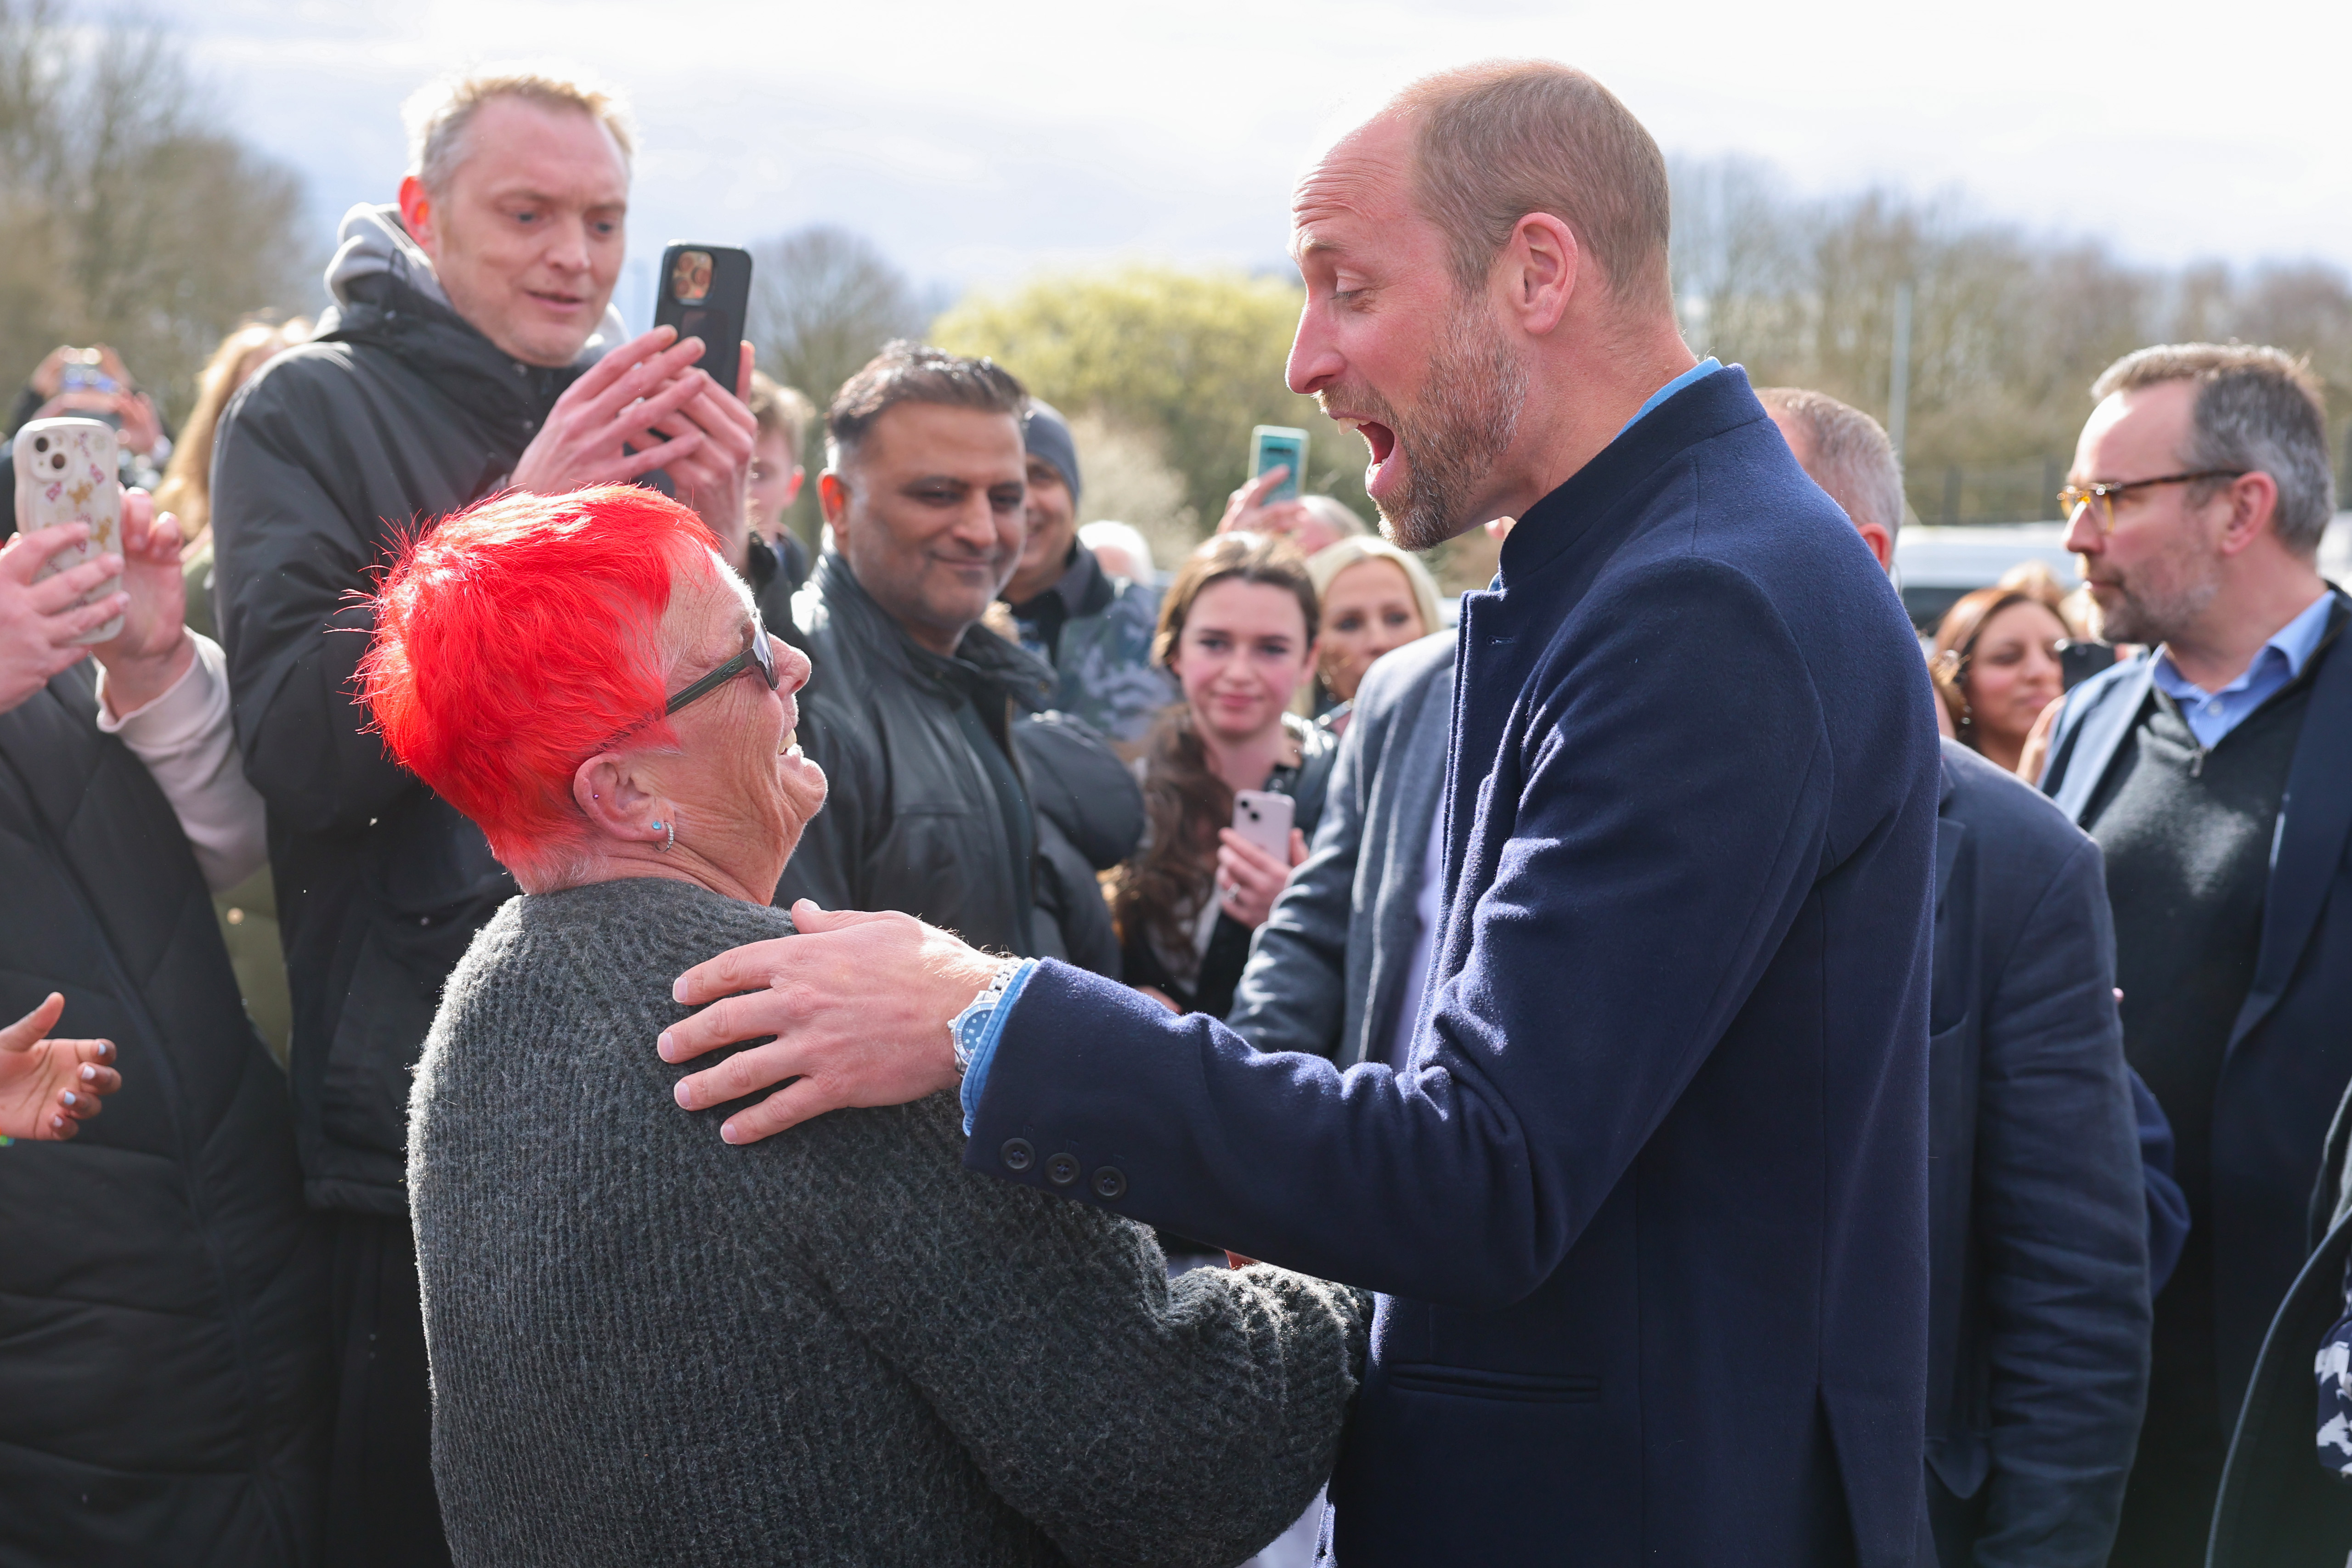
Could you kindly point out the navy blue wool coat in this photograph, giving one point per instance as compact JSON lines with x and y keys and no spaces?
{"x":1648,"y":1208}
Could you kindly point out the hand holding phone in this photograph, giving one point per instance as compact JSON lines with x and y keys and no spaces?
{"x":1254,"y":856}
{"x":67,"y":473}
{"x":1281,"y":446}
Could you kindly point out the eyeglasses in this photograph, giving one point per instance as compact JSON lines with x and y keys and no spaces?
{"x":757,"y":655}
{"x":2074,"y":497}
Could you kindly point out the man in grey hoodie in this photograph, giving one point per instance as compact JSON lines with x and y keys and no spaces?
{"x":472,"y":349}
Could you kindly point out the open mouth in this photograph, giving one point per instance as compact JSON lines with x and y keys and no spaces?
{"x":1382,"y":443}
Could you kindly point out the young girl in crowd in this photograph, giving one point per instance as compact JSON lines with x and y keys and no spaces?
{"x":1237,"y":631}
{"x":1375,"y":597}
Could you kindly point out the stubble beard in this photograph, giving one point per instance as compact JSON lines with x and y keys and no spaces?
{"x":2154,"y":611}
{"x":1467,"y":417}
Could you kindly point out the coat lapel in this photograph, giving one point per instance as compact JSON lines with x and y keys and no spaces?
{"x":2314,"y":819}
{"x":2101,"y":732}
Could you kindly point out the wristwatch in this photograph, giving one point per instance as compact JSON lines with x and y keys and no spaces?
{"x":969,"y":1027}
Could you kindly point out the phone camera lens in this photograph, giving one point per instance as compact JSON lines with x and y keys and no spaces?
{"x":40,"y":444}
{"x":57,"y":460}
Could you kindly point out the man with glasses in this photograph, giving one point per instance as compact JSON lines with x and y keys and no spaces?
{"x":2215,"y":771}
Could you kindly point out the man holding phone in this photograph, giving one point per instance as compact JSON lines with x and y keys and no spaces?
{"x":472,"y":348}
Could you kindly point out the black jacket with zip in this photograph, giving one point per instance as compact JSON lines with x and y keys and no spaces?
{"x":398,"y":415}
{"x":163,"y":1289}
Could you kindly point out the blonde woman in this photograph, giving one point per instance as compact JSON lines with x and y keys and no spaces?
{"x":1375,"y":597}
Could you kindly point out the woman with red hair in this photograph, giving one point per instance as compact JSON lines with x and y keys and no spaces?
{"x":902,"y":1362}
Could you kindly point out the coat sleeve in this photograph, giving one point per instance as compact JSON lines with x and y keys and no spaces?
{"x":293,"y":579}
{"x":1292,"y":994}
{"x":2061,"y":1228}
{"x":1653,"y":870}
{"x":1133,"y":1419}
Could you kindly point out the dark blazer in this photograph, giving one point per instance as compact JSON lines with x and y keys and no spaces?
{"x":2290,"y":1053}
{"x":1328,"y":969}
{"x":2037,"y":1350}
{"x":1648,"y":1210}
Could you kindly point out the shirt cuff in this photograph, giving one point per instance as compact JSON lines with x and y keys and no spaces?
{"x":181,"y":712}
{"x":975,"y":1076}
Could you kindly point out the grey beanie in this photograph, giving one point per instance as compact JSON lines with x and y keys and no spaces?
{"x":1047,"y":435}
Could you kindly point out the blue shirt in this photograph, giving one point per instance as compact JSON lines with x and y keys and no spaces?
{"x":1698,"y":372}
{"x":2212,"y":715}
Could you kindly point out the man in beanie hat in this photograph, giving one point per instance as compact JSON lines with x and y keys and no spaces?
{"x":1095,"y":629}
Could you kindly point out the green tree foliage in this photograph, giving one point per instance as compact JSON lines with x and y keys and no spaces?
{"x":2008,"y":329}
{"x":130,"y":218}
{"x":1188,"y":359}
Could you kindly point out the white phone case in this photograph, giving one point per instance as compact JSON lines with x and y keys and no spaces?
{"x":67,"y":473}
{"x":1263,"y":818}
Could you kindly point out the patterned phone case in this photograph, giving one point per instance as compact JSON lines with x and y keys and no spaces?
{"x":66,"y":473}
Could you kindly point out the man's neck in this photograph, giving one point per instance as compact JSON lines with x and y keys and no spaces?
{"x":2244,"y":616}
{"x":1577,"y":402}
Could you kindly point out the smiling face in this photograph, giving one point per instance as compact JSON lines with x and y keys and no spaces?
{"x":527,"y":236}
{"x":1053,"y":522}
{"x":2013,"y":673}
{"x":741,"y":789}
{"x":2162,"y":566}
{"x":1388,"y":343}
{"x":1368,"y":610}
{"x":928,"y":511}
{"x":1241,"y":658}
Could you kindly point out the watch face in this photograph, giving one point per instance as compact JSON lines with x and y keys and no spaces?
{"x":973,"y":1026}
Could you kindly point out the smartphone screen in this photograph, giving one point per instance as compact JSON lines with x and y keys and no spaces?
{"x":1279,"y":446}
{"x":705,"y":292}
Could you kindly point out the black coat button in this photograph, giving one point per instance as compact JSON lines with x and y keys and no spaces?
{"x":1018,"y":1155}
{"x":1061,"y":1169}
{"x":1109,"y":1185}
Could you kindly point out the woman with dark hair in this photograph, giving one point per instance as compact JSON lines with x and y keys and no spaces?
{"x":1996,"y":668}
{"x":1237,"y":631}
{"x":904,"y":1361}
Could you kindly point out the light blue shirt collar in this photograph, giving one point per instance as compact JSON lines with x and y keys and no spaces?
{"x":1697,"y":372}
{"x":2212,"y":715}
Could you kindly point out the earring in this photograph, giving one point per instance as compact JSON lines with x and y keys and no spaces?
{"x":671,"y":843}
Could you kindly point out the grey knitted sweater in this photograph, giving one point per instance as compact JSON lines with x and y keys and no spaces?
{"x":836,"y":1346}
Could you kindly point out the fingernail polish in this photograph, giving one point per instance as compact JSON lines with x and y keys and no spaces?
{"x":89,"y":1074}
{"x":69,"y":1098}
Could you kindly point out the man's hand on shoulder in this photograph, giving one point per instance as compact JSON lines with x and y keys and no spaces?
{"x":859,"y":1005}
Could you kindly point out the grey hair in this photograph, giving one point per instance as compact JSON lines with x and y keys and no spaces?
{"x":1336,"y":513}
{"x":2258,"y":410}
{"x":438,"y":113}
{"x":1851,"y":457}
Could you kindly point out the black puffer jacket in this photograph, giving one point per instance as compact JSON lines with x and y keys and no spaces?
{"x":1090,"y":816}
{"x":399,"y":414}
{"x":163,"y":1289}
{"x":911,"y":820}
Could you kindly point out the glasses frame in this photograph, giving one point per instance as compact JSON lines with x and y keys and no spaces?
{"x":2074,"y":497}
{"x":756,"y":654}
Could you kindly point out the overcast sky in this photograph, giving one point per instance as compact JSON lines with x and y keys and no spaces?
{"x":978,"y":144}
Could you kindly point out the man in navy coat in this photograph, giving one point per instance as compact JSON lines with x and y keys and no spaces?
{"x":1647,"y":1206}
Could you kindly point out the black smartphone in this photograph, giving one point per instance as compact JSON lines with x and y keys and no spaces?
{"x":706,"y":291}
{"x":2079,"y":659}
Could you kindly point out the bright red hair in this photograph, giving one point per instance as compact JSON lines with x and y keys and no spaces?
{"x":515,"y":638}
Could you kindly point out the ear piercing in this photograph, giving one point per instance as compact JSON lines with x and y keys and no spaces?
{"x":671,"y":843}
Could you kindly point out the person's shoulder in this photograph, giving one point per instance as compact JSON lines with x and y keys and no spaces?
{"x":646,"y":922}
{"x":2012,"y":819}
{"x":1402,"y":671}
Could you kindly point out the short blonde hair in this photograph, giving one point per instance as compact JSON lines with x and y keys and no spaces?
{"x":1325,"y":565}
{"x":437,"y":113}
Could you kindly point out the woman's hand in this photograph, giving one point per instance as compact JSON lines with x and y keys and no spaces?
{"x":1249,"y":879}
{"x":38,"y":620}
{"x":154,"y":649}
{"x":1247,"y":513}
{"x":48,"y":1088}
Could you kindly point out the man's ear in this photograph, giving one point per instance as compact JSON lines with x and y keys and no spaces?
{"x":833,"y":499}
{"x":2254,"y":506}
{"x":1881,"y":543}
{"x":1538,"y":271}
{"x":416,"y":215}
{"x":608,"y":791}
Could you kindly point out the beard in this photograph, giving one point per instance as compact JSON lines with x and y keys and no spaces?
{"x":1467,"y":415}
{"x":2160,"y":599}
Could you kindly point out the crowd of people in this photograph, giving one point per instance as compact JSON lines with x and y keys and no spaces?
{"x":554,"y":1023}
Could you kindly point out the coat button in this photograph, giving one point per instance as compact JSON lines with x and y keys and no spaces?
{"x":1062,"y":1169}
{"x":1109,"y":1185}
{"x":1018,"y":1155}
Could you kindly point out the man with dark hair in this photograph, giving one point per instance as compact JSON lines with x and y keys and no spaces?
{"x":2215,"y":771}
{"x":1644,"y":1201}
{"x":913,"y":710}
{"x":1094,"y":629}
